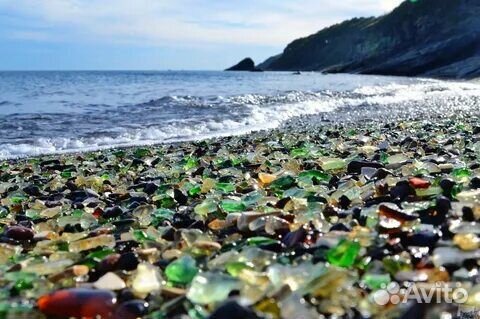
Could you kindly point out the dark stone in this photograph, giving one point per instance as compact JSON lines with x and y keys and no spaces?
{"x":137,"y":162}
{"x":232,"y":310}
{"x":281,"y":203}
{"x":355,"y":167}
{"x":81,"y":195}
{"x":139,"y":199}
{"x":475,"y":183}
{"x":32,"y":190}
{"x":381,"y":173}
{"x":246,"y":64}
{"x":182,"y":220}
{"x":273,"y":247}
{"x":19,"y":233}
{"x":467,"y":214}
{"x":344,"y":202}
{"x":447,"y":185}
{"x":340,"y":227}
{"x":402,"y":190}
{"x":126,"y":246}
{"x":357,"y":215}
{"x":150,"y":188}
{"x":124,"y":222}
{"x":422,"y":238}
{"x":127,"y":261}
{"x":132,"y":309}
{"x":180,"y":197}
{"x":112,"y":212}
{"x":443,"y":205}
{"x":293,"y":238}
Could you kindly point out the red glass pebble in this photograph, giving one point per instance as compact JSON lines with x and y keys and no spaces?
{"x":78,"y":303}
{"x":416,"y":182}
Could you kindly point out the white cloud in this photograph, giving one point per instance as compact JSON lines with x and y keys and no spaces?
{"x":166,"y":22}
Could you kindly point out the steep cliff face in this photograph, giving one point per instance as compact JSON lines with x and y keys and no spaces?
{"x":439,"y":38}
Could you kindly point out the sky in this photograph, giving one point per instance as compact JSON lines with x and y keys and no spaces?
{"x":161,"y":34}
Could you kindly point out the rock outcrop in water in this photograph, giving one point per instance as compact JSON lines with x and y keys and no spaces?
{"x":437,"y":38}
{"x":246,"y":64}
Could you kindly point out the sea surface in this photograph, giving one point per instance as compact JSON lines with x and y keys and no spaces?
{"x":55,"y":112}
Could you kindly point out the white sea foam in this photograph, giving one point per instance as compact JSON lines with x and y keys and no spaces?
{"x":187,"y":117}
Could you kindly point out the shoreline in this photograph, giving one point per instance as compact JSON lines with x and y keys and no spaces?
{"x":185,"y":225}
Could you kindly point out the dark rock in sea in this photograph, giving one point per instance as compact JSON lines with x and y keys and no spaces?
{"x":419,"y":38}
{"x":246,"y":64}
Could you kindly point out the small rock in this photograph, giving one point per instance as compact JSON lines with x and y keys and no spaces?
{"x":32,"y":190}
{"x":402,"y":190}
{"x":447,"y":185}
{"x":78,"y":303}
{"x":132,"y":309}
{"x":391,"y":210}
{"x":475,"y":183}
{"x":112,"y":212}
{"x":355,"y":167}
{"x":110,"y":281}
{"x":146,"y":280}
{"x":233,"y":310}
{"x":19,"y":233}
{"x":416,"y":182}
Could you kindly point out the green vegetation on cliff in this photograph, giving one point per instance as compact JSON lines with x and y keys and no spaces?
{"x":438,"y":38}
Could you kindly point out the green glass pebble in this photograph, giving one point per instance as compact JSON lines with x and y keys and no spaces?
{"x":161,"y":215}
{"x":17,"y":199}
{"x":299,"y":152}
{"x":314,"y":175}
{"x":283,"y":183}
{"x":194,"y":191}
{"x":225,"y":187}
{"x":141,"y":152}
{"x":182,"y":270}
{"x":344,"y":254}
{"x":334,"y":164}
{"x":211,"y":287}
{"x":206,"y":207}
{"x":141,"y":236}
{"x":66,"y":174}
{"x":376,"y":281}
{"x":234,"y":268}
{"x":460,"y":173}
{"x":259,"y":240}
{"x":232,"y":206}
{"x":100,"y":254}
{"x":394,"y":264}
{"x":252,"y":198}
{"x":190,"y":162}
{"x":22,"y":280}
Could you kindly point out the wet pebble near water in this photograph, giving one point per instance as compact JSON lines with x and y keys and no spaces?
{"x":308,"y":222}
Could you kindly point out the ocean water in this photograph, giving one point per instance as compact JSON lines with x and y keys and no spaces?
{"x":54,"y":112}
